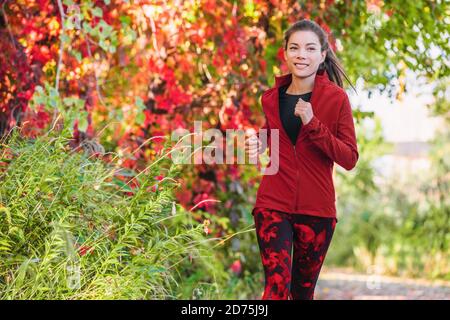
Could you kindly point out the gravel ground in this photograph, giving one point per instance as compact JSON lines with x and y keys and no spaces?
{"x":334,"y":284}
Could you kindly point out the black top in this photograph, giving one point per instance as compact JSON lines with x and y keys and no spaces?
{"x":289,"y":120}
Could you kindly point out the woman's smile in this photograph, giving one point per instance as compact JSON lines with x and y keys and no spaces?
{"x":301,"y":66}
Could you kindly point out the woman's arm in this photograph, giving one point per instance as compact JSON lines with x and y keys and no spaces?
{"x":342,"y":148}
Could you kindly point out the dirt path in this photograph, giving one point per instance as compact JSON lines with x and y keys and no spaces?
{"x":338,"y":284}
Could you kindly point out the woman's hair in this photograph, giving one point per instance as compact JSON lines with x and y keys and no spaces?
{"x":331,"y":63}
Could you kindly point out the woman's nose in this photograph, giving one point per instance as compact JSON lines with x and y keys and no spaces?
{"x":301,"y":54}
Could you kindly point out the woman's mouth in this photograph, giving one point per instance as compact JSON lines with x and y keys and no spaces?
{"x":301,"y":66}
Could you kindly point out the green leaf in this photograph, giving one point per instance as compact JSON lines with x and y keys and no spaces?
{"x":76,"y":54}
{"x":140,"y":118}
{"x":53,"y":93}
{"x":68,"y":25}
{"x":39,"y":89}
{"x":52,"y":103}
{"x":140,"y":104}
{"x":97,"y":12}
{"x":106,"y":29}
{"x":82,"y":121}
{"x":87,"y":27}
{"x":156,"y":269}
{"x":249,"y":8}
{"x":70,"y":101}
{"x":122,"y":185}
{"x":125,"y":19}
{"x":65,"y":38}
{"x":103,"y":45}
{"x":119,"y":115}
{"x":129,"y":36}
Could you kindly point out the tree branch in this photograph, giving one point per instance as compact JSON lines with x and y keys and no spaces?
{"x":7,"y":25}
{"x":61,"y":46}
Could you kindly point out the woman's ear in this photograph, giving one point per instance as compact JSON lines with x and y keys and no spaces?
{"x":324,"y":55}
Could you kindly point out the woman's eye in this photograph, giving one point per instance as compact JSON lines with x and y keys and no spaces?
{"x":309,"y":49}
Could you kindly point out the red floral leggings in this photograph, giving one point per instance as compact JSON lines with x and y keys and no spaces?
{"x":276,"y":232}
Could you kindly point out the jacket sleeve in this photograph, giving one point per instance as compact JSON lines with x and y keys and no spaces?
{"x":265,"y":126}
{"x":342,"y":148}
{"x":264,"y":143}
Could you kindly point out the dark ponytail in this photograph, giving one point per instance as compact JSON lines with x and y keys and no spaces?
{"x":331,"y":63}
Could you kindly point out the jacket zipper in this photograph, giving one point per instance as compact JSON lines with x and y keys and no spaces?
{"x":296,"y":180}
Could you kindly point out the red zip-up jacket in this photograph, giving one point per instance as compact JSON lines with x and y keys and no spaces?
{"x":304,"y":181}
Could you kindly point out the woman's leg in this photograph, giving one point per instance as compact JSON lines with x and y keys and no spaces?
{"x":312,"y":237}
{"x":274,"y":233}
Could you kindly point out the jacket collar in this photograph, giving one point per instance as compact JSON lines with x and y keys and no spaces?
{"x":321,"y":77}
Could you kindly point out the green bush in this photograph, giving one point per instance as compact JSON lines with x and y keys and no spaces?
{"x":72,"y":227}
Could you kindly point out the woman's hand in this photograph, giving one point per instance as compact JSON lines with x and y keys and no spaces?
{"x":304,"y":110}
{"x":253,"y":146}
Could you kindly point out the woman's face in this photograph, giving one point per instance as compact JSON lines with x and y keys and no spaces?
{"x":303,"y":54}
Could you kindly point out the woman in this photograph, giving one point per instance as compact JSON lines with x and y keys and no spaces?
{"x":295,"y":207}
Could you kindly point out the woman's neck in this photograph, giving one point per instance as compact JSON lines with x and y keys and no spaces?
{"x":300,"y":85}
